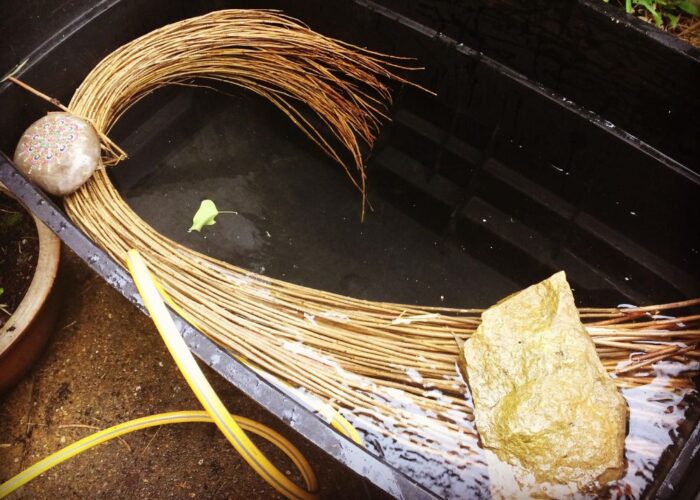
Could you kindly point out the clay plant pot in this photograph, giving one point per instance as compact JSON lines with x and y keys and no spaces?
{"x":24,"y":335}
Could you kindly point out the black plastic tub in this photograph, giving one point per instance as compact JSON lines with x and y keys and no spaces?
{"x":631,"y":73}
{"x":513,"y":171}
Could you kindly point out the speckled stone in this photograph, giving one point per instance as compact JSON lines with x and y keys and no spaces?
{"x":58,"y":152}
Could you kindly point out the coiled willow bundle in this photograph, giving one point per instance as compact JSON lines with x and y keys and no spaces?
{"x":361,"y":356}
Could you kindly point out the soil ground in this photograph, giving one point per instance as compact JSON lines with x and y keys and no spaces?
{"x":106,"y":364}
{"x":19,"y":251}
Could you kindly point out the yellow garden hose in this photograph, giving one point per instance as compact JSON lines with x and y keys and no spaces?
{"x":215,"y":410}
{"x":232,"y":427}
{"x":333,"y":417}
{"x":201,"y":387}
{"x":176,"y":417}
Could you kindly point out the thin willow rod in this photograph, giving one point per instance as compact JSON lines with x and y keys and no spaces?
{"x":648,"y":362}
{"x":665,"y":307}
{"x":602,"y":310}
{"x":617,"y":320}
{"x":417,"y":389}
{"x":645,"y":334}
{"x":661,"y":353}
{"x":630,"y":346}
{"x":430,"y":377}
{"x":667,"y":322}
{"x":599,"y":314}
{"x":645,"y":379}
{"x":626,"y":324}
{"x":655,"y":338}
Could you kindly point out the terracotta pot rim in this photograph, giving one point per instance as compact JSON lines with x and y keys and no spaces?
{"x":42,"y":282}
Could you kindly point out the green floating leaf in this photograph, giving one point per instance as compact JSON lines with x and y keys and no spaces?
{"x":2,"y":290}
{"x":205,"y":216}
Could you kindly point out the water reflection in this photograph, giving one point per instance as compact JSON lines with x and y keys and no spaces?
{"x":454,"y":465}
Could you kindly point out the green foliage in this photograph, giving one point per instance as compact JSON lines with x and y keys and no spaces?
{"x":10,"y":219}
{"x":664,"y":13}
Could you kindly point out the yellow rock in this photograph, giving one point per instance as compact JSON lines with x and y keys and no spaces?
{"x":542,"y":399}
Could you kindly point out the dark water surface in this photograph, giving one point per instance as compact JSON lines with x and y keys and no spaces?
{"x":482,"y":190}
{"x":432,"y":238}
{"x":298,"y":215}
{"x":298,"y":219}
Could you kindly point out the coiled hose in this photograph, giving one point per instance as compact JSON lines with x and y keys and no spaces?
{"x":233,"y":427}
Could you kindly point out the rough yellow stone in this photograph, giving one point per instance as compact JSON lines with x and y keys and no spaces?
{"x":542,"y":399}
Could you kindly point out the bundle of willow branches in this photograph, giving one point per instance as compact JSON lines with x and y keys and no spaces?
{"x":361,"y":356}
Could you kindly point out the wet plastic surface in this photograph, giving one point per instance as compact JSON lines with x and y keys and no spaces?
{"x":490,"y":186}
{"x":636,"y":76}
